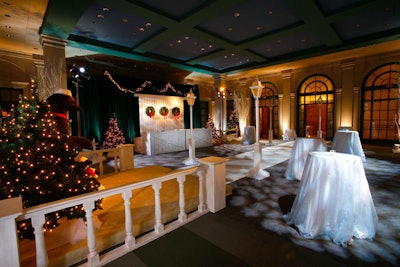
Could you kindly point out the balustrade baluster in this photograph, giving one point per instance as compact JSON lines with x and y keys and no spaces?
{"x":129,"y":239}
{"x":158,"y":227}
{"x":182,"y":217}
{"x":93,"y":256}
{"x":202,"y":190}
{"x":41,"y":251}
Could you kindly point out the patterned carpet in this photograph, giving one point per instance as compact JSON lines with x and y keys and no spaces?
{"x":267,"y":200}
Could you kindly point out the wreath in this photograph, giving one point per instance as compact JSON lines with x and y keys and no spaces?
{"x":150,"y":111}
{"x":176,"y":112}
{"x":164,"y":111}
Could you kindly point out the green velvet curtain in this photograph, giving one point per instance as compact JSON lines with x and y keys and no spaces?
{"x":99,"y":99}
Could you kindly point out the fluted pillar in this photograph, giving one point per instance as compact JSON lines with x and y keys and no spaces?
{"x":286,"y":107}
{"x":54,"y":75}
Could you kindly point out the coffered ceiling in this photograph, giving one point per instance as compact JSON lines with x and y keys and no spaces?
{"x":206,"y":36}
{"x":222,"y":36}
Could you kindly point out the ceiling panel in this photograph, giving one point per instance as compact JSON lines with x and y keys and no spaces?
{"x":110,"y":25}
{"x":376,"y":21}
{"x":184,"y":48}
{"x":171,"y":8}
{"x":250,"y":19}
{"x":286,"y":45}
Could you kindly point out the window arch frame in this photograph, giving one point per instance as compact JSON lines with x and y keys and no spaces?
{"x":307,"y":95}
{"x":380,"y":100}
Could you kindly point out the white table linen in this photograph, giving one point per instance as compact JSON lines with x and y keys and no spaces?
{"x":302,"y":146}
{"x":334,"y":201}
{"x":348,"y":142}
{"x":249,"y":135}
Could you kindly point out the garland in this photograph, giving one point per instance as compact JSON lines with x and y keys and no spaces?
{"x":146,"y":83}
{"x":167,"y":87}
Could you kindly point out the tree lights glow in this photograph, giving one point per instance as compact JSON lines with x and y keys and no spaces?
{"x":38,"y":163}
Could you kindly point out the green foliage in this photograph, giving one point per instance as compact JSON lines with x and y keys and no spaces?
{"x":38,"y":163}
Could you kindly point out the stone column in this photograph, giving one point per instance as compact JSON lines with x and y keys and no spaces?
{"x":39,"y":73}
{"x":347,"y":99}
{"x":55,"y":69}
{"x":356,"y":107}
{"x":338,"y":107}
{"x":293,"y":110}
{"x":280,"y":110}
{"x":286,"y":90}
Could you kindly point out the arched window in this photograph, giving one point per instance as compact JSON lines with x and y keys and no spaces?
{"x":316,"y":95}
{"x":381,"y":105}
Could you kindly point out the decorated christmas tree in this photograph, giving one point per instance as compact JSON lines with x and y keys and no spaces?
{"x":38,"y":163}
{"x":210,"y":124}
{"x":114,"y":135}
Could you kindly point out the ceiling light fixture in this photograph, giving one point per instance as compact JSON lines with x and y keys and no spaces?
{"x":236,"y":14}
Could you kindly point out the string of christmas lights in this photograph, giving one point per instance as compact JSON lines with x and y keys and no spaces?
{"x":38,"y":163}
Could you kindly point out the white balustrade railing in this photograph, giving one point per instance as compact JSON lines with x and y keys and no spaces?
{"x":211,"y":176}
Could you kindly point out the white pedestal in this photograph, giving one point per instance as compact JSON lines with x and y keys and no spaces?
{"x":216,"y":182}
{"x":9,"y":210}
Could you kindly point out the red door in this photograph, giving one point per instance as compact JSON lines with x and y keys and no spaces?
{"x":312,"y":116}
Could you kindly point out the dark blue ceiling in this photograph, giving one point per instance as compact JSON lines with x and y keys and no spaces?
{"x":222,"y":36}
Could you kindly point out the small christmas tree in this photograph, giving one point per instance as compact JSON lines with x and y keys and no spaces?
{"x":114,"y":136}
{"x":38,"y":163}
{"x":210,"y":124}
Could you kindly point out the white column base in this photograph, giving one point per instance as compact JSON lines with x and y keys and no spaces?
{"x":270,"y":136}
{"x":192,"y":160}
{"x":257,"y":173}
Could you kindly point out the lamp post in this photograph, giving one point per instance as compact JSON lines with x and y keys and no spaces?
{"x":78,"y":113}
{"x":191,"y":98}
{"x":319,"y":101}
{"x":77,"y":74}
{"x":257,"y":172}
